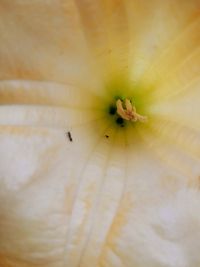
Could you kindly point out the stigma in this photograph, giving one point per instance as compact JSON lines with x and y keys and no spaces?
{"x":128,"y":112}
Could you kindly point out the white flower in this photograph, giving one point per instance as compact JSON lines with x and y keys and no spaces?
{"x":99,"y":133}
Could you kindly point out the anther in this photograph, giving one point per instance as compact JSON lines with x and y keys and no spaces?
{"x":129,"y":112}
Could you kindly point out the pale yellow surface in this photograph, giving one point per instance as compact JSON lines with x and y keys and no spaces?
{"x":130,"y":200}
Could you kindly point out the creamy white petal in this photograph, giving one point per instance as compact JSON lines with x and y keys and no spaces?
{"x":110,"y":196}
{"x":165,"y":233}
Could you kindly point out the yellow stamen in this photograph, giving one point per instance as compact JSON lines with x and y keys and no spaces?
{"x":129,"y":113}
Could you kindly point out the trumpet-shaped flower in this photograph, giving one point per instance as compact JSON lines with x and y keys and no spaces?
{"x":99,"y":133}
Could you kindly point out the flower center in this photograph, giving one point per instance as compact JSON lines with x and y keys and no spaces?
{"x":127,"y":111}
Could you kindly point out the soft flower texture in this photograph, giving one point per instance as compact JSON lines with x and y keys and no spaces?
{"x":112,"y":196}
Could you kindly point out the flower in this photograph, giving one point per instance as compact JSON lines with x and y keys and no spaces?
{"x":99,"y":133}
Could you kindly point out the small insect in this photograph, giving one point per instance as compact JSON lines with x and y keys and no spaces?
{"x":69,"y":136}
{"x":107,"y":136}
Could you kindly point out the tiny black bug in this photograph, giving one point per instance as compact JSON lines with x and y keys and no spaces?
{"x":112,"y":110}
{"x":119,"y":121}
{"x":69,"y":136}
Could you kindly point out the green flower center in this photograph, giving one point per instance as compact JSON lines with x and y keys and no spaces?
{"x":125,"y":103}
